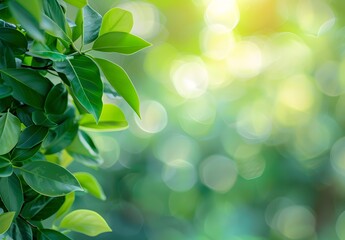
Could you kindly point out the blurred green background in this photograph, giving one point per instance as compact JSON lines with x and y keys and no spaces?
{"x":243,"y":118}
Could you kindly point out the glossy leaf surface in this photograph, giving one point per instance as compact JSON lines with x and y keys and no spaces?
{"x":116,"y":20}
{"x":11,"y":193}
{"x":90,"y":184}
{"x":85,"y":221}
{"x":120,"y":42}
{"x":9,"y":132}
{"x":49,"y":179}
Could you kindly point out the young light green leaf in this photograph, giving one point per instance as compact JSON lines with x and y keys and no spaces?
{"x":90,"y":184}
{"x":69,"y":200}
{"x":77,"y":3}
{"x":85,"y":81}
{"x":112,"y":119}
{"x":120,"y":42}
{"x":6,"y":168}
{"x":56,"y":101}
{"x":91,"y":24}
{"x":11,"y":193}
{"x":49,"y":234}
{"x":28,"y":86}
{"x":31,"y":136}
{"x":116,"y":20}
{"x":6,"y":221}
{"x":121,"y":82}
{"x":85,"y":221}
{"x":28,"y":14}
{"x":13,"y":39}
{"x":49,"y":179}
{"x":9,"y":132}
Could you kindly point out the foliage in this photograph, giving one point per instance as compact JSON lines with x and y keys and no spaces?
{"x":51,"y":89}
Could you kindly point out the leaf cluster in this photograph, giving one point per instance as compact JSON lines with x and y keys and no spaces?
{"x":51,"y":95}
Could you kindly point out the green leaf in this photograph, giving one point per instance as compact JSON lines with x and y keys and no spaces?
{"x":28,"y":14}
{"x":112,"y":119}
{"x":85,"y":221}
{"x":60,"y":137}
{"x":54,"y":30}
{"x":28,"y":86}
{"x":77,"y":30}
{"x":41,"y":118}
{"x":77,"y":3}
{"x":7,"y":59}
{"x":86,"y":83}
{"x":120,"y":42}
{"x":69,"y":200}
{"x":56,"y":101}
{"x":49,"y":234}
{"x":20,"y":230}
{"x":90,"y":184}
{"x":5,"y":91}
{"x":54,"y":11}
{"x":49,"y":179}
{"x":91,"y":24}
{"x":43,"y":51}
{"x":116,"y":20}
{"x":84,"y":150}
{"x":9,"y":132}
{"x":31,"y":136}
{"x":19,"y":155}
{"x":6,"y":168}
{"x":6,"y":221}
{"x":11,"y":193}
{"x":120,"y":81}
{"x":42,"y":207}
{"x":13,"y":39}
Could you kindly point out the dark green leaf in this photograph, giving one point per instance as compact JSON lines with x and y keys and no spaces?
{"x":54,"y":30}
{"x":120,"y":81}
{"x":54,"y":11}
{"x":112,"y":119}
{"x":28,"y":86}
{"x":42,"y":207}
{"x":40,"y":118}
{"x":5,"y":91}
{"x":49,"y":234}
{"x":60,"y":118}
{"x":20,"y":230}
{"x":19,"y":155}
{"x":116,"y":20}
{"x":11,"y":193}
{"x":28,"y":13}
{"x":85,"y":81}
{"x":5,"y":167}
{"x":49,"y":179}
{"x":91,"y":24}
{"x":84,"y":150}
{"x":120,"y":42}
{"x":43,"y":51}
{"x":31,"y":136}
{"x":60,"y":137}
{"x":9,"y":132}
{"x":7,"y":59}
{"x":24,"y":113}
{"x":14,"y":39}
{"x":56,"y":101}
{"x":6,"y":221}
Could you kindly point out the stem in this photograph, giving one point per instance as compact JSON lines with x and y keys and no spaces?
{"x":38,"y":68}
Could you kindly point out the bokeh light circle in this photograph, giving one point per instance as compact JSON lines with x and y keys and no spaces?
{"x":190,"y":77}
{"x":218,"y":173}
{"x":154,"y":117}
